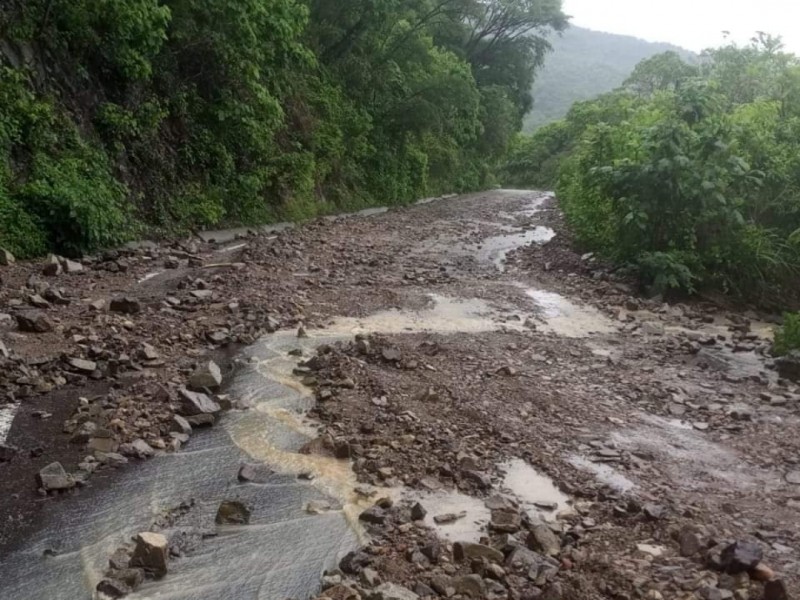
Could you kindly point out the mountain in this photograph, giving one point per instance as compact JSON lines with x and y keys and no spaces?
{"x":584,"y":64}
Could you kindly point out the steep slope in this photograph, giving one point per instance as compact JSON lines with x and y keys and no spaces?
{"x":584,"y":64}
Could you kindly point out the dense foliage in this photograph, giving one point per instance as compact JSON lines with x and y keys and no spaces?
{"x":584,"y":64}
{"x":118,"y":116}
{"x":690,"y":175}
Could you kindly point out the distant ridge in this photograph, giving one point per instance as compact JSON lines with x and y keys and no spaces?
{"x":584,"y":64}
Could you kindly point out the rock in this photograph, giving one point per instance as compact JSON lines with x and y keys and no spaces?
{"x":525,"y":560}
{"x":148,"y":352}
{"x":37,"y":301}
{"x":505,"y":520}
{"x":71,"y":266}
{"x":180,"y":425}
{"x":113,"y":588}
{"x":762,"y":572}
{"x":793,"y":477}
{"x":391,"y":354}
{"x":470,"y":586}
{"x":370,"y":578}
{"x":85,"y":366}
{"x":54,"y":477}
{"x":482,"y":480}
{"x":202,"y":420}
{"x":33,"y":321}
{"x":340,"y":592}
{"x":689,"y":542}
{"x":467,"y":551}
{"x":232,"y":512}
{"x":418,"y":512}
{"x":374,"y":514}
{"x":254,"y":472}
{"x":125,"y":305}
{"x":197,"y":403}
{"x":202,"y":294}
{"x":789,"y":366}
{"x":654,"y":512}
{"x":138,"y":448}
{"x":6,"y":258}
{"x":776,"y":590}
{"x":133,"y":578}
{"x":207,"y":375}
{"x":390,"y":591}
{"x":151,"y":553}
{"x":740,"y":557}
{"x":542,"y":539}
{"x":447,"y":518}
{"x":52,"y":267}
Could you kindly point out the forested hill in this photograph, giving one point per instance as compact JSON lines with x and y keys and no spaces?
{"x":585,"y":64}
{"x":132,"y":117}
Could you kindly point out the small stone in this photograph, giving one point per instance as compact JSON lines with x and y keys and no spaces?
{"x":113,"y":588}
{"x":542,"y":539}
{"x":776,"y":590}
{"x":37,"y":301}
{"x":33,"y":321}
{"x":125,"y":305}
{"x":654,"y":512}
{"x":505,"y":520}
{"x":793,"y":477}
{"x":151,"y":553}
{"x":740,"y":557}
{"x":207,"y":375}
{"x":370,"y":578}
{"x":467,"y":551}
{"x":202,"y":294}
{"x":6,"y":258}
{"x":232,"y":512}
{"x":54,"y":477}
{"x":448,"y":518}
{"x":470,"y":586}
{"x":762,"y":572}
{"x":79,"y":364}
{"x":197,"y":403}
{"x":418,"y":512}
{"x":390,"y":591}
{"x":374,"y":514}
{"x":689,"y":542}
{"x":254,"y":473}
{"x":391,"y":354}
{"x":180,"y":425}
{"x":71,"y":266}
{"x":201,"y":420}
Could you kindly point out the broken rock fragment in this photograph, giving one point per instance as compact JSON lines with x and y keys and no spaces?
{"x":54,"y":477}
{"x":207,"y":375}
{"x":197,"y":403}
{"x":151,"y":553}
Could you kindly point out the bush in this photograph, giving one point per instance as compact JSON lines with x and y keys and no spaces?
{"x":787,"y":337}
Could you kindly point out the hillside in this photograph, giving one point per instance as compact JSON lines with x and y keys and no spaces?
{"x":584,"y":64}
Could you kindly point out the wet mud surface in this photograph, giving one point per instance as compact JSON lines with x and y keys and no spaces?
{"x":456,"y":351}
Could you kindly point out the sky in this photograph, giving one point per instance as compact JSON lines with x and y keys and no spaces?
{"x":692,"y":24}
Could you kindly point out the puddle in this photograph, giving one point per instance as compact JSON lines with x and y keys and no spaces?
{"x":533,"y":490}
{"x":495,"y":249}
{"x":604,"y":473}
{"x":446,"y":315}
{"x":565,"y":318}
{"x":468,"y":528}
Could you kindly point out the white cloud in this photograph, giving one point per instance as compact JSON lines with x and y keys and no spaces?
{"x":693,"y":24}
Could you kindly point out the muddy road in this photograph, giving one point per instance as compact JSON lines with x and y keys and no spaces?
{"x":443,"y":400}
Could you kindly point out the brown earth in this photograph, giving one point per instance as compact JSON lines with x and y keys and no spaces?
{"x":661,"y":422}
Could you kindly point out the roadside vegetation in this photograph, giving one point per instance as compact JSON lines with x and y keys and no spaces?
{"x":139,"y":117}
{"x":688,"y":175}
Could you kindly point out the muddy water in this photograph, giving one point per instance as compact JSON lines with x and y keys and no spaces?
{"x":495,"y":249}
{"x":565,"y":318}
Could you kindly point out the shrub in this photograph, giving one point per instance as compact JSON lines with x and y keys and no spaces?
{"x":787,"y":337}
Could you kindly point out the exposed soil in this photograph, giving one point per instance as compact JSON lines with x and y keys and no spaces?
{"x":482,"y":343}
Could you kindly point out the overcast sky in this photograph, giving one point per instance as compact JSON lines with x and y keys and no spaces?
{"x":693,"y":24}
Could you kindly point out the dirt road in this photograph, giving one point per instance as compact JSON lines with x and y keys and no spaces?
{"x":563,"y":437}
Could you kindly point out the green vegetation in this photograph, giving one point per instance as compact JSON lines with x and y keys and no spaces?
{"x":132,"y":117}
{"x":690,"y":175}
{"x":583,"y":65}
{"x":787,"y":337}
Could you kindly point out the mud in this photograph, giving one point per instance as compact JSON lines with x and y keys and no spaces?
{"x":490,"y":342}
